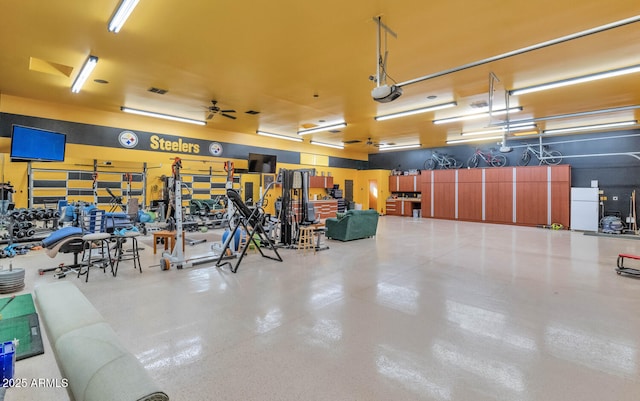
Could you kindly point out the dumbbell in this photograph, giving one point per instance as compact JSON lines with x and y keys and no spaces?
{"x":40,"y":214}
{"x":30,"y":232}
{"x":17,"y":215}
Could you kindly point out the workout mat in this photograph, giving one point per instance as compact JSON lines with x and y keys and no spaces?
{"x":26,"y":329}
{"x":22,"y":305}
{"x":19,"y":320}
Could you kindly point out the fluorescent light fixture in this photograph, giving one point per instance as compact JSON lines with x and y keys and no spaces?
{"x":398,"y":147}
{"x":328,"y":145}
{"x":415,"y":111}
{"x":320,"y":129}
{"x":576,"y":80}
{"x":526,"y":127}
{"x":288,"y":138}
{"x":477,"y":115}
{"x":122,"y":13}
{"x":487,"y":138}
{"x":590,"y":127}
{"x":526,"y":133}
{"x":161,"y":115}
{"x":87,"y":68}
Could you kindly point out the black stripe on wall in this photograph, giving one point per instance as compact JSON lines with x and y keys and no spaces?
{"x":49,"y":184}
{"x":80,"y":192}
{"x":48,"y":200}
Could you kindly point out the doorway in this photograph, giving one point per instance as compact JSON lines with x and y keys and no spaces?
{"x":373,"y":194}
{"x":348,"y":190}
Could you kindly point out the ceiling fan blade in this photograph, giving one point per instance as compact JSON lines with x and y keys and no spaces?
{"x":210,"y":116}
{"x":228,"y":111}
{"x":229,"y":116}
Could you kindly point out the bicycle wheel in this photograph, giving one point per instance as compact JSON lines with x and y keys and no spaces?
{"x":498,"y":161}
{"x":430,"y":164}
{"x":473,"y":161}
{"x":525,"y":159}
{"x":453,"y":163}
{"x":555,"y":157}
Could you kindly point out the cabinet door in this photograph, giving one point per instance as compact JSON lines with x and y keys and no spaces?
{"x":328,"y":182}
{"x":392,"y":208}
{"x":393,"y":183}
{"x":407,"y":183}
{"x":408,"y":208}
{"x":316,"y":181}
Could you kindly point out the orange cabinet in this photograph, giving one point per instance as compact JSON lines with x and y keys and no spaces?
{"x":319,"y":181}
{"x":394,"y":183}
{"x":392,"y":207}
{"x":404,"y":183}
{"x":529,"y":196}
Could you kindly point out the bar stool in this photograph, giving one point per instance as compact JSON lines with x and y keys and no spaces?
{"x":121,"y":237}
{"x":306,"y":240}
{"x":94,"y":235}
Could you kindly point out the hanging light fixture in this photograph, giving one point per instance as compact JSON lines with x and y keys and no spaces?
{"x":86,"y":70}
{"x":122,"y":13}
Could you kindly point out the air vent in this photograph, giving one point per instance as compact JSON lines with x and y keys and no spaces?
{"x":252,"y":112}
{"x":479,"y":104}
{"x":157,"y":90}
{"x":351,"y":142}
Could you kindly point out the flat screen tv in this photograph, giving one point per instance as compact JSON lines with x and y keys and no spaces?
{"x":259,"y":163}
{"x":34,"y":144}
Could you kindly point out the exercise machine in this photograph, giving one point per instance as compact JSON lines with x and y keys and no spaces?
{"x":295,"y":185}
{"x":252,"y":222}
{"x":176,"y":258}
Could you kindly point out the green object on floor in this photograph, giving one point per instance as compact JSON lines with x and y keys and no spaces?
{"x":26,"y":329}
{"x":20,"y":321}
{"x":20,"y":306}
{"x":354,"y":224}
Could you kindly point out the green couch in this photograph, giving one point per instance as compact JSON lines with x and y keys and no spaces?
{"x":354,"y":224}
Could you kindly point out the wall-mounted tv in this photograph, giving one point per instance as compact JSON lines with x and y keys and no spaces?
{"x":34,"y":144}
{"x":259,"y":163}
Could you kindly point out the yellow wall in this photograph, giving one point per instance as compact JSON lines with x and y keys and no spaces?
{"x":361,"y":188}
{"x":81,"y":157}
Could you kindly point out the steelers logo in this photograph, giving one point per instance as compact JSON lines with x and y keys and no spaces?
{"x":215,"y":149}
{"x":128,"y":139}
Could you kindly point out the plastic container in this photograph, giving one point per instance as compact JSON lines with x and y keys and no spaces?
{"x":416,"y":212}
{"x":7,"y":360}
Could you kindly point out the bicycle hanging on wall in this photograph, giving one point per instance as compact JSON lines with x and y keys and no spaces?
{"x":549,"y":157}
{"x":488,"y":157}
{"x":441,"y":161}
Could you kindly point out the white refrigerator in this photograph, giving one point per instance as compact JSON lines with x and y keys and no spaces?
{"x":585,"y":209}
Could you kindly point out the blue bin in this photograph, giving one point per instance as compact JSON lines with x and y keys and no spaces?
{"x":7,"y":360}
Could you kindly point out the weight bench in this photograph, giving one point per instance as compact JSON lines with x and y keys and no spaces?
{"x":88,"y":351}
{"x":620,"y":268}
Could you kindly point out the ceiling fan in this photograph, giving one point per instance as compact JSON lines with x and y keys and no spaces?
{"x":214,"y":109}
{"x":370,"y":142}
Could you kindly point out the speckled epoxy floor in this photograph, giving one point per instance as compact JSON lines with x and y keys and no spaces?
{"x":426,"y":310}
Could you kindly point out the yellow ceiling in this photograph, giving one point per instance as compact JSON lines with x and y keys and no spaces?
{"x":305,"y":63}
